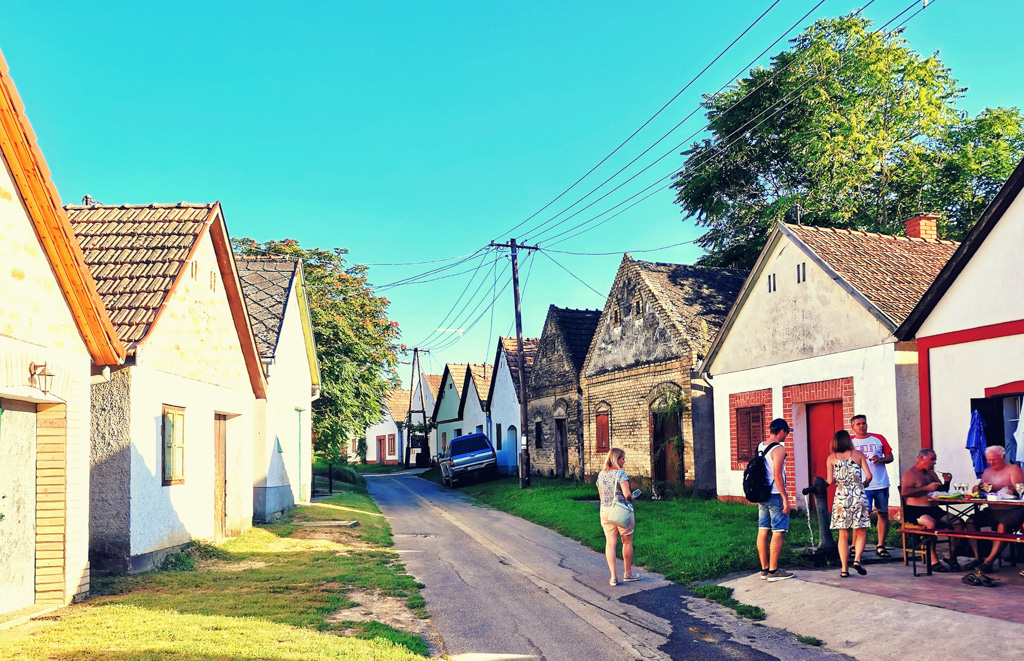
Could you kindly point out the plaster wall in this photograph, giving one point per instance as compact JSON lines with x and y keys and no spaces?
{"x":194,"y":335}
{"x":987,"y":291}
{"x":473,"y":415}
{"x":796,"y":320}
{"x":166,"y":516}
{"x":876,"y":393}
{"x":110,"y":473}
{"x":958,"y":373}
{"x":17,"y":504}
{"x":448,"y":419}
{"x":504,"y":411}
{"x":424,"y":400}
{"x":284,"y":471}
{"x":383,"y":428}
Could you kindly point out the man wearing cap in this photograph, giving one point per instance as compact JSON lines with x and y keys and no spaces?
{"x":773,"y":515}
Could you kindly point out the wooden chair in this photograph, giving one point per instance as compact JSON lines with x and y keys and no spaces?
{"x":919,"y":544}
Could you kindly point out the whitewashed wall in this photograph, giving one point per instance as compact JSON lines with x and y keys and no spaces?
{"x":504,"y":411}
{"x":448,"y":409}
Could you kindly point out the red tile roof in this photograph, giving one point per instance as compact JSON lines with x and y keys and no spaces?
{"x":511,"y":348}
{"x":434,"y":383}
{"x":893,"y":272}
{"x":135,"y":252}
{"x":398,"y":404}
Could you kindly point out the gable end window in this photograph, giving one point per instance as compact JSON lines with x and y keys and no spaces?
{"x":638,"y":306}
{"x":771,"y":283}
{"x":801,"y":272}
{"x":538,"y":435}
{"x":749,"y":432}
{"x":616,"y":316}
{"x":174,"y":445}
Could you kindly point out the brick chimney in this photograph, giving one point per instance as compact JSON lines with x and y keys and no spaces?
{"x":922,"y":226}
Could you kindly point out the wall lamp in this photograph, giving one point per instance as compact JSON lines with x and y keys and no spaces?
{"x":42,"y":376}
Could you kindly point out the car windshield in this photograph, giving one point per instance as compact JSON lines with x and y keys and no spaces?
{"x":470,"y":445}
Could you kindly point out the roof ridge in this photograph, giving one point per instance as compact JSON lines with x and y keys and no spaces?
{"x":692,"y":266}
{"x":154,"y":205}
{"x":852,"y":232}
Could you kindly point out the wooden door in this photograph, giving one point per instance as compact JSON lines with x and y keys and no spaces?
{"x":667,"y":458}
{"x":561,"y":448}
{"x":220,"y":466}
{"x":380,"y":449}
{"x":824,"y":419}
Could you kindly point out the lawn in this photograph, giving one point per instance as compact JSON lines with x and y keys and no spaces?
{"x":268,"y":594}
{"x":686,"y":539}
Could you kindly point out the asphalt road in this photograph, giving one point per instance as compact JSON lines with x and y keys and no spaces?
{"x":498,"y":587}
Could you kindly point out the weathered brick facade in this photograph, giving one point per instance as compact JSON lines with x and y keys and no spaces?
{"x":555,"y":394}
{"x":657,"y":323}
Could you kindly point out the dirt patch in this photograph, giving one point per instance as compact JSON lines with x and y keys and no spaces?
{"x":392,"y":611}
{"x":343,"y":536}
{"x":220,"y":565}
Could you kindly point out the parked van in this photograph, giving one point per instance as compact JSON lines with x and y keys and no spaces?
{"x":468,"y":456}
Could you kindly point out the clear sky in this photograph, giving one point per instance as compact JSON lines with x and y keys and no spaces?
{"x":413,"y":131}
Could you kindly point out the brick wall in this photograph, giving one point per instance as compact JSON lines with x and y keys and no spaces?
{"x":741,"y":400}
{"x":817,"y":391}
{"x":553,"y":381}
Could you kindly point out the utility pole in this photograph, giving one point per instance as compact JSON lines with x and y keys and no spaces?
{"x":417,"y":367}
{"x":524,"y":454}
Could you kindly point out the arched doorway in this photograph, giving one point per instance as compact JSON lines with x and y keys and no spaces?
{"x":561,"y":447}
{"x":665,"y":421}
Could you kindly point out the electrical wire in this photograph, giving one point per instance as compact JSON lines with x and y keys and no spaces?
{"x":578,"y":279}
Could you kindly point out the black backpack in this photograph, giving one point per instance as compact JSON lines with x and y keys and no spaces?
{"x":755,"y":481}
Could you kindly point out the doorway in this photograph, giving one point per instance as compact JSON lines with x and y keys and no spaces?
{"x":220,"y":481}
{"x":666,"y":443}
{"x":561,"y":447}
{"x":18,"y":497}
{"x":824,"y":419}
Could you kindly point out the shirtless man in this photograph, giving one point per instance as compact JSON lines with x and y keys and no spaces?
{"x":918,"y":482}
{"x":1004,"y":518}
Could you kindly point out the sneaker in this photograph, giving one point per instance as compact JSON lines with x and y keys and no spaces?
{"x":779,"y":575}
{"x":764,"y":574}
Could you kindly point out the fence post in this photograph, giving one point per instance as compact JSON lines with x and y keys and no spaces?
{"x":330,"y":478}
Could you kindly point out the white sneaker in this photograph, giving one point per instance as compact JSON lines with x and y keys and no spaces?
{"x":779,"y":575}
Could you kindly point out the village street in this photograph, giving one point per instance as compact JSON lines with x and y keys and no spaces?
{"x":498,"y":585}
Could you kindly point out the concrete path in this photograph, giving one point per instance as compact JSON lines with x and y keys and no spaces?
{"x":499,"y":587}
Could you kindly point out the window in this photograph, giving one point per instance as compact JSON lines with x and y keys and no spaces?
{"x":771,"y":283}
{"x":638,"y":306}
{"x":479,"y":429}
{"x":458,"y":432}
{"x":801,"y":272}
{"x":749,"y":432}
{"x":602,"y":431}
{"x":497,"y":437}
{"x":391,"y":445}
{"x":538,"y":435}
{"x":213,"y":281}
{"x":616,"y":317}
{"x":195,"y":270}
{"x":174,"y":445}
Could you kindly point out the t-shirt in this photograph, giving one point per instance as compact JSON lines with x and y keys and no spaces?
{"x":874,"y":445}
{"x":768,"y":469}
{"x":608,"y":486}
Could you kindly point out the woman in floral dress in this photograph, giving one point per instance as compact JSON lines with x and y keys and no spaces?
{"x":613,"y":485}
{"x":848,"y":470}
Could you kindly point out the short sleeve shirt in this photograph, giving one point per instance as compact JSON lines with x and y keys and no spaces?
{"x":608,"y":486}
{"x":874,"y":445}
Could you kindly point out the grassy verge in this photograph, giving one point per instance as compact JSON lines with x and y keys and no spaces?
{"x":273,"y":592}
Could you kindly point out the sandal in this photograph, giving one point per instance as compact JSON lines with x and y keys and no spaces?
{"x":882,"y":552}
{"x":970,"y":579}
{"x":860,"y":570}
{"x":984,"y":568}
{"x":628,"y":578}
{"x":844,"y":574}
{"x":939,"y":568}
{"x":613,"y":582}
{"x":1021,"y":573}
{"x":987,"y":581}
{"x":973,"y":564}
{"x":953,"y":564}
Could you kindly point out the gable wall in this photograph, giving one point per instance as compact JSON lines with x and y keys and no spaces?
{"x":505,"y":411}
{"x":797,"y":320}
{"x":447,"y":413}
{"x":423,"y":390}
{"x":473,"y":415}
{"x":553,"y":381}
{"x":636,"y":340}
{"x":988,"y":290}
{"x":194,"y":335}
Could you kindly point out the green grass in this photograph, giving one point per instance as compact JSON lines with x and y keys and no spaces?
{"x":378,"y":468}
{"x":811,"y":640}
{"x":723,"y":595}
{"x":686,"y":539}
{"x":264,"y":594}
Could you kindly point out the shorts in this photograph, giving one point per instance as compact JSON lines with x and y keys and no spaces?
{"x":1011,"y":517}
{"x":911,"y":513}
{"x":771,"y":516}
{"x":610,"y":527}
{"x":878,"y":499}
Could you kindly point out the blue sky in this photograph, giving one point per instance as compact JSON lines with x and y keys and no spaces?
{"x":418,"y":131}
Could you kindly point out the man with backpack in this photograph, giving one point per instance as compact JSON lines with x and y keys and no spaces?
{"x":773,"y":513}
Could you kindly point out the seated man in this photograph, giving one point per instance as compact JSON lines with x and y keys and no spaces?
{"x":918,"y":482}
{"x":1000,"y":475}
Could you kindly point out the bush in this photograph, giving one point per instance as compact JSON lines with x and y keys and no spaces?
{"x":185,"y":559}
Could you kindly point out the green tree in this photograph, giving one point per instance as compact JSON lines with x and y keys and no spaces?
{"x":853,"y":129}
{"x":357,"y":345}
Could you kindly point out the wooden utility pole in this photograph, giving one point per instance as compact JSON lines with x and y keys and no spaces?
{"x":524,"y":454}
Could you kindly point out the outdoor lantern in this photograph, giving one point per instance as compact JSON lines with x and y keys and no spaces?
{"x":42,"y":376}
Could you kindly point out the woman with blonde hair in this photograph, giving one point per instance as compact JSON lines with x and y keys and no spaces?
{"x":613,"y":485}
{"x":848,"y":470}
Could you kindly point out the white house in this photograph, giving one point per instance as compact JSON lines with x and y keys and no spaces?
{"x":503,"y":401}
{"x":275,"y":298}
{"x":423,"y":398}
{"x":385,"y":441}
{"x":172,"y":430}
{"x":457,"y":412}
{"x":970,"y":337}
{"x":53,"y":329}
{"x":812,"y":338}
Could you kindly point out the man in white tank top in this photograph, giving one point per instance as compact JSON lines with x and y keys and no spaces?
{"x":773,"y":515}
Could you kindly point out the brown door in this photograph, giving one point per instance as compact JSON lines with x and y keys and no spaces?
{"x":220,"y":447}
{"x":824,"y":419}
{"x":380,"y":449}
{"x":561,"y":448}
{"x":664,"y":437}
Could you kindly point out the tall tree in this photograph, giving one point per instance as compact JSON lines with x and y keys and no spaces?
{"x":848,"y":128}
{"x":357,"y":345}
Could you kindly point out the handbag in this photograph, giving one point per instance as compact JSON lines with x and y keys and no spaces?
{"x":619,"y":514}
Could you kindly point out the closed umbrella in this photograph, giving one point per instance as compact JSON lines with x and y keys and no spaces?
{"x":976,"y":443}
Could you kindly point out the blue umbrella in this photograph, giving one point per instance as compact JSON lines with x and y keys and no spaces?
{"x":976,"y":443}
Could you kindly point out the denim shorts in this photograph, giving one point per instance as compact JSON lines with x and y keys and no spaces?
{"x":878,"y":499}
{"x":770,"y":514}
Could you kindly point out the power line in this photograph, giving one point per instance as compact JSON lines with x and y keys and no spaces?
{"x":618,"y":252}
{"x":573,"y":275}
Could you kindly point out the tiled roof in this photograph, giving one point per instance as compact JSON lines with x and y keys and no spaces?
{"x":266,"y":283}
{"x":691,"y":294}
{"x":134,"y":253}
{"x":511,"y":347}
{"x":398,"y":404}
{"x":458,"y":371}
{"x":434,"y":383}
{"x":481,"y":378}
{"x":893,"y":272}
{"x":578,"y":328}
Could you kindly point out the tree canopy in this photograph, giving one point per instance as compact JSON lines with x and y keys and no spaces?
{"x":356,"y":342}
{"x":849,"y":128}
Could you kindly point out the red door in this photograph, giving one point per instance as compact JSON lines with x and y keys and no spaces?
{"x":824,"y":419}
